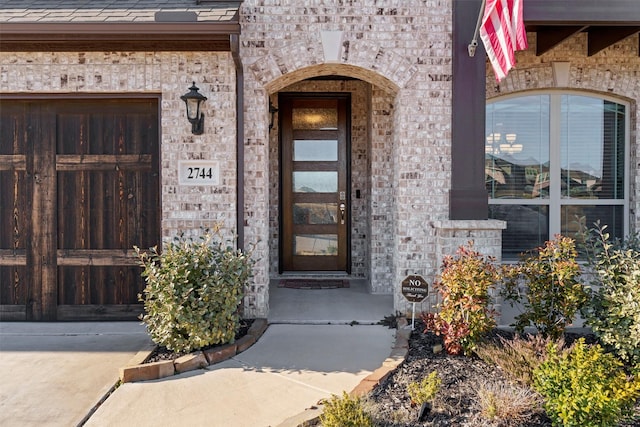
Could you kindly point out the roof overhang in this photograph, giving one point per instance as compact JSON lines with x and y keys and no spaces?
{"x":578,"y":12}
{"x":179,"y":36}
{"x":605,"y":22}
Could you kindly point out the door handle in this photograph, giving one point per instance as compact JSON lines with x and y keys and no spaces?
{"x":343,"y":209}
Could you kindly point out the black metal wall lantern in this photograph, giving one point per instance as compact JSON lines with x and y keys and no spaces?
{"x":272,"y":111}
{"x":193,"y":100}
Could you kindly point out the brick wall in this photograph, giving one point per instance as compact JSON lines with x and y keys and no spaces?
{"x":402,"y":49}
{"x":401,"y":52}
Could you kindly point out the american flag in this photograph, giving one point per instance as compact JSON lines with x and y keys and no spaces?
{"x":502,"y":32}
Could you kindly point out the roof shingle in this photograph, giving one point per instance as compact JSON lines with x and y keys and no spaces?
{"x":46,"y":11}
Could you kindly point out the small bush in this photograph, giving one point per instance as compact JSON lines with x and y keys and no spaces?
{"x":193,"y":292}
{"x":464,"y":286}
{"x":613,"y":312}
{"x":517,"y":357}
{"x":425,"y":390}
{"x":585,"y":387}
{"x":507,"y":404}
{"x":554,"y":295}
{"x":345,"y":411}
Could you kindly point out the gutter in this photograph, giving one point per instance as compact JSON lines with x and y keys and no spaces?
{"x":161,"y":36}
{"x":235,"y":53}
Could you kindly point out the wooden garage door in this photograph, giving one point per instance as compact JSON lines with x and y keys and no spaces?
{"x":79,"y":187}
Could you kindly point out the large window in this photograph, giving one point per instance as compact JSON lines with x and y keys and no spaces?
{"x":552,"y":160}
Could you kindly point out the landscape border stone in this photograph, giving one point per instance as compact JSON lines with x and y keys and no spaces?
{"x":398,"y":354}
{"x":137,"y":370}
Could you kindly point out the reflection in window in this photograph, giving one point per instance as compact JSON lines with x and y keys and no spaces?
{"x":517,"y":148}
{"x":316,"y":244}
{"x":575,"y":216}
{"x":315,"y":213}
{"x":540,"y":193}
{"x":315,"y":182}
{"x":592,"y":148}
{"x":527,"y":227}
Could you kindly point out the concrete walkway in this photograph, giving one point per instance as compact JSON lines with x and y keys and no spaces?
{"x":52,"y":374}
{"x":288,"y":370}
{"x":322,"y":306}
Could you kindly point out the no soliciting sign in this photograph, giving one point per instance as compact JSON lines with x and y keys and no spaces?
{"x":415,"y":288}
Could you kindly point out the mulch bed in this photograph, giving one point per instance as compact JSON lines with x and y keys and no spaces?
{"x":162,"y":353}
{"x":456,"y":402}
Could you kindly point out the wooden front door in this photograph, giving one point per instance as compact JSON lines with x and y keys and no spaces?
{"x":315,"y":182}
{"x":79,"y":187}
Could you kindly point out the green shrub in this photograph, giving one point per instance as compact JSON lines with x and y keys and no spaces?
{"x":425,"y":390}
{"x":517,"y":357}
{"x":584,"y":387}
{"x":345,"y":411}
{"x":193,"y":292}
{"x":553,"y":295}
{"x":464,"y":286}
{"x":613,"y":312}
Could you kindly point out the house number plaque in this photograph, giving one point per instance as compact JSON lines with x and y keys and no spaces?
{"x":198,"y":172}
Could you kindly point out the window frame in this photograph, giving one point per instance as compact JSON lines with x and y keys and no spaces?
{"x":555,"y":201}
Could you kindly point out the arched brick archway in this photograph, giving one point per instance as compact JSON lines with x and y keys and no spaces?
{"x":372,"y":143}
{"x":306,"y":58}
{"x":320,"y":70}
{"x":369,"y":87}
{"x":412,"y":73}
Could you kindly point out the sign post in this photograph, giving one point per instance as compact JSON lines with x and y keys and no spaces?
{"x":415,"y":289}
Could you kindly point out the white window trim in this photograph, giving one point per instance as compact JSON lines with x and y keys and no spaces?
{"x":555,"y":202}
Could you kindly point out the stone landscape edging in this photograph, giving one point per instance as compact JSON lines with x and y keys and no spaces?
{"x":137,"y":370}
{"x":398,"y":354}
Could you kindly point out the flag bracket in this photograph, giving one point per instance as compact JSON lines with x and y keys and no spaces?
{"x":474,"y":43}
{"x":472,"y":47}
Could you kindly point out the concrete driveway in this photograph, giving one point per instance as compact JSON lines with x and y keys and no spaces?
{"x":53,"y":374}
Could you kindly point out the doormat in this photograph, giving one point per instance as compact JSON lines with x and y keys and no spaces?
{"x":313,"y":283}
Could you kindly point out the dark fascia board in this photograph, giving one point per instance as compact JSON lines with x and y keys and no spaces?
{"x":129,"y":36}
{"x":581,"y":12}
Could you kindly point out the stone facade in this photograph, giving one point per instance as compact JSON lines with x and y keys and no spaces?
{"x":398,"y":54}
{"x":486,"y":237}
{"x":403,"y":51}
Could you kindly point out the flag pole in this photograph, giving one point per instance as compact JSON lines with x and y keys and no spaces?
{"x":474,"y":43}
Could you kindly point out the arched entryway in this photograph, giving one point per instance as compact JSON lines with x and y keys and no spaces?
{"x":365,"y":122}
{"x":346,"y":188}
{"x":388,"y":148}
